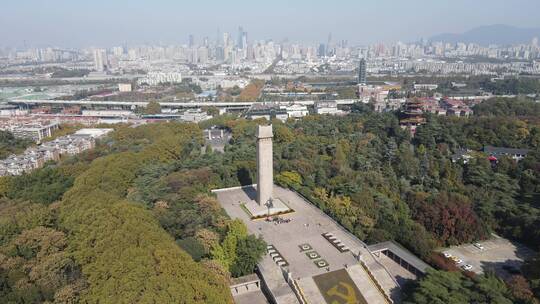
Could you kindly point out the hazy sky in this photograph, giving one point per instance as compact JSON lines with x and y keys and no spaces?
{"x":75,"y":23}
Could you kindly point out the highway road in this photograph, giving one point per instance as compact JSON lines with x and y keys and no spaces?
{"x":191,"y":104}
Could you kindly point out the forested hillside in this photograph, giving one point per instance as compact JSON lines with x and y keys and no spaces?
{"x":381,"y":184}
{"x":88,"y":243}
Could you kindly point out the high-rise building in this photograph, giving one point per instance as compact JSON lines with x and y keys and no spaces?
{"x":118,"y":51}
{"x":244,"y":40}
{"x":202,"y":55}
{"x":535,"y":42}
{"x":329,"y":42}
{"x":322,"y":50}
{"x":226,"y":39}
{"x":220,"y":53}
{"x":193,"y":55}
{"x":239,"y":43}
{"x":329,"y":46}
{"x":362,"y":79}
{"x":100,"y":60}
{"x":191,"y":41}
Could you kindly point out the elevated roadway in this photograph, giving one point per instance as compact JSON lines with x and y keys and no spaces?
{"x":174,"y":105}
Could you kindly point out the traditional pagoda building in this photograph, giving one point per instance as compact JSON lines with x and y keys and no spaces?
{"x":413,"y":115}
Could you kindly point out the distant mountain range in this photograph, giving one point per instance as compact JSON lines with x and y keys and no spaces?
{"x":499,"y":34}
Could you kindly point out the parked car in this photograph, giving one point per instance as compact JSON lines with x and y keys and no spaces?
{"x":447,"y":255}
{"x":467,"y":267}
{"x":479,"y":246}
{"x":459,"y":261}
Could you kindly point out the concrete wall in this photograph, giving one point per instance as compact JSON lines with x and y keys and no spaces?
{"x":245,"y":287}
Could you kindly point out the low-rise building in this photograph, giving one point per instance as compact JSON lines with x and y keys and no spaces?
{"x":267,"y":111}
{"x":369,"y":93}
{"x":7,"y":110}
{"x":296,"y":110}
{"x":35,"y":131}
{"x":401,"y":256}
{"x":459,"y":85}
{"x":155,"y":78}
{"x":193,"y":115}
{"x":108,"y":113}
{"x":36,"y":157}
{"x":93,"y":132}
{"x":496,"y":152}
{"x":455,"y":107}
{"x":124,"y":87}
{"x":425,"y":86}
{"x":327,"y":108}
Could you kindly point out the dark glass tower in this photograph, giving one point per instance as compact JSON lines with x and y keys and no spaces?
{"x":362,"y":72}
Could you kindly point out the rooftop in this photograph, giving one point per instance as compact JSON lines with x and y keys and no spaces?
{"x":403,"y":253}
{"x":245,"y":279}
{"x":504,"y":150}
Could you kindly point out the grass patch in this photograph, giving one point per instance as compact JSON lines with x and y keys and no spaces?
{"x":246,"y":210}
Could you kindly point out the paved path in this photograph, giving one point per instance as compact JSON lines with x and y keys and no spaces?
{"x":254,"y":297}
{"x":311,"y":290}
{"x":274,"y":279}
{"x":365,"y":284}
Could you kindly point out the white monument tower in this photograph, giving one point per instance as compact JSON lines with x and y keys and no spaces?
{"x":265,"y":170}
{"x":266,"y":204}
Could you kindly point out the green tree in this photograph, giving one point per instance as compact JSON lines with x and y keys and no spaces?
{"x":153,"y":107}
{"x":44,"y":186}
{"x":11,"y":145}
{"x":226,"y":252}
{"x":452,"y":287}
{"x":289,"y":178}
{"x":249,"y":251}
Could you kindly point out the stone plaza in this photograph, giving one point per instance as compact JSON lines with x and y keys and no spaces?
{"x":310,"y":258}
{"x":306,"y":226}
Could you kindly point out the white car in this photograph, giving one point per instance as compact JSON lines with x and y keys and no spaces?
{"x":447,"y":255}
{"x":467,"y":267}
{"x":459,"y":261}
{"x":479,"y":246}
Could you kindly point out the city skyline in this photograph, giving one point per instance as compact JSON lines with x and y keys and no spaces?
{"x":138,"y":22}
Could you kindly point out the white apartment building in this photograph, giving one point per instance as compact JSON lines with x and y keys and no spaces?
{"x":425,"y":86}
{"x":296,"y":110}
{"x":194,"y":116}
{"x":155,"y":78}
{"x":124,"y":87}
{"x":327,"y":108}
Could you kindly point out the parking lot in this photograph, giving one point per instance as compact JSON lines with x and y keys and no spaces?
{"x":499,"y":254}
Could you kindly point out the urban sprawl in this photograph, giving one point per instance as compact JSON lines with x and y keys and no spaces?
{"x":42,"y":88}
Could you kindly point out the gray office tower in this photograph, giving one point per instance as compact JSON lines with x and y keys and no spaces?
{"x":362,"y":72}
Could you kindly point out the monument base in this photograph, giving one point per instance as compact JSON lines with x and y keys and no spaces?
{"x":256,"y":211}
